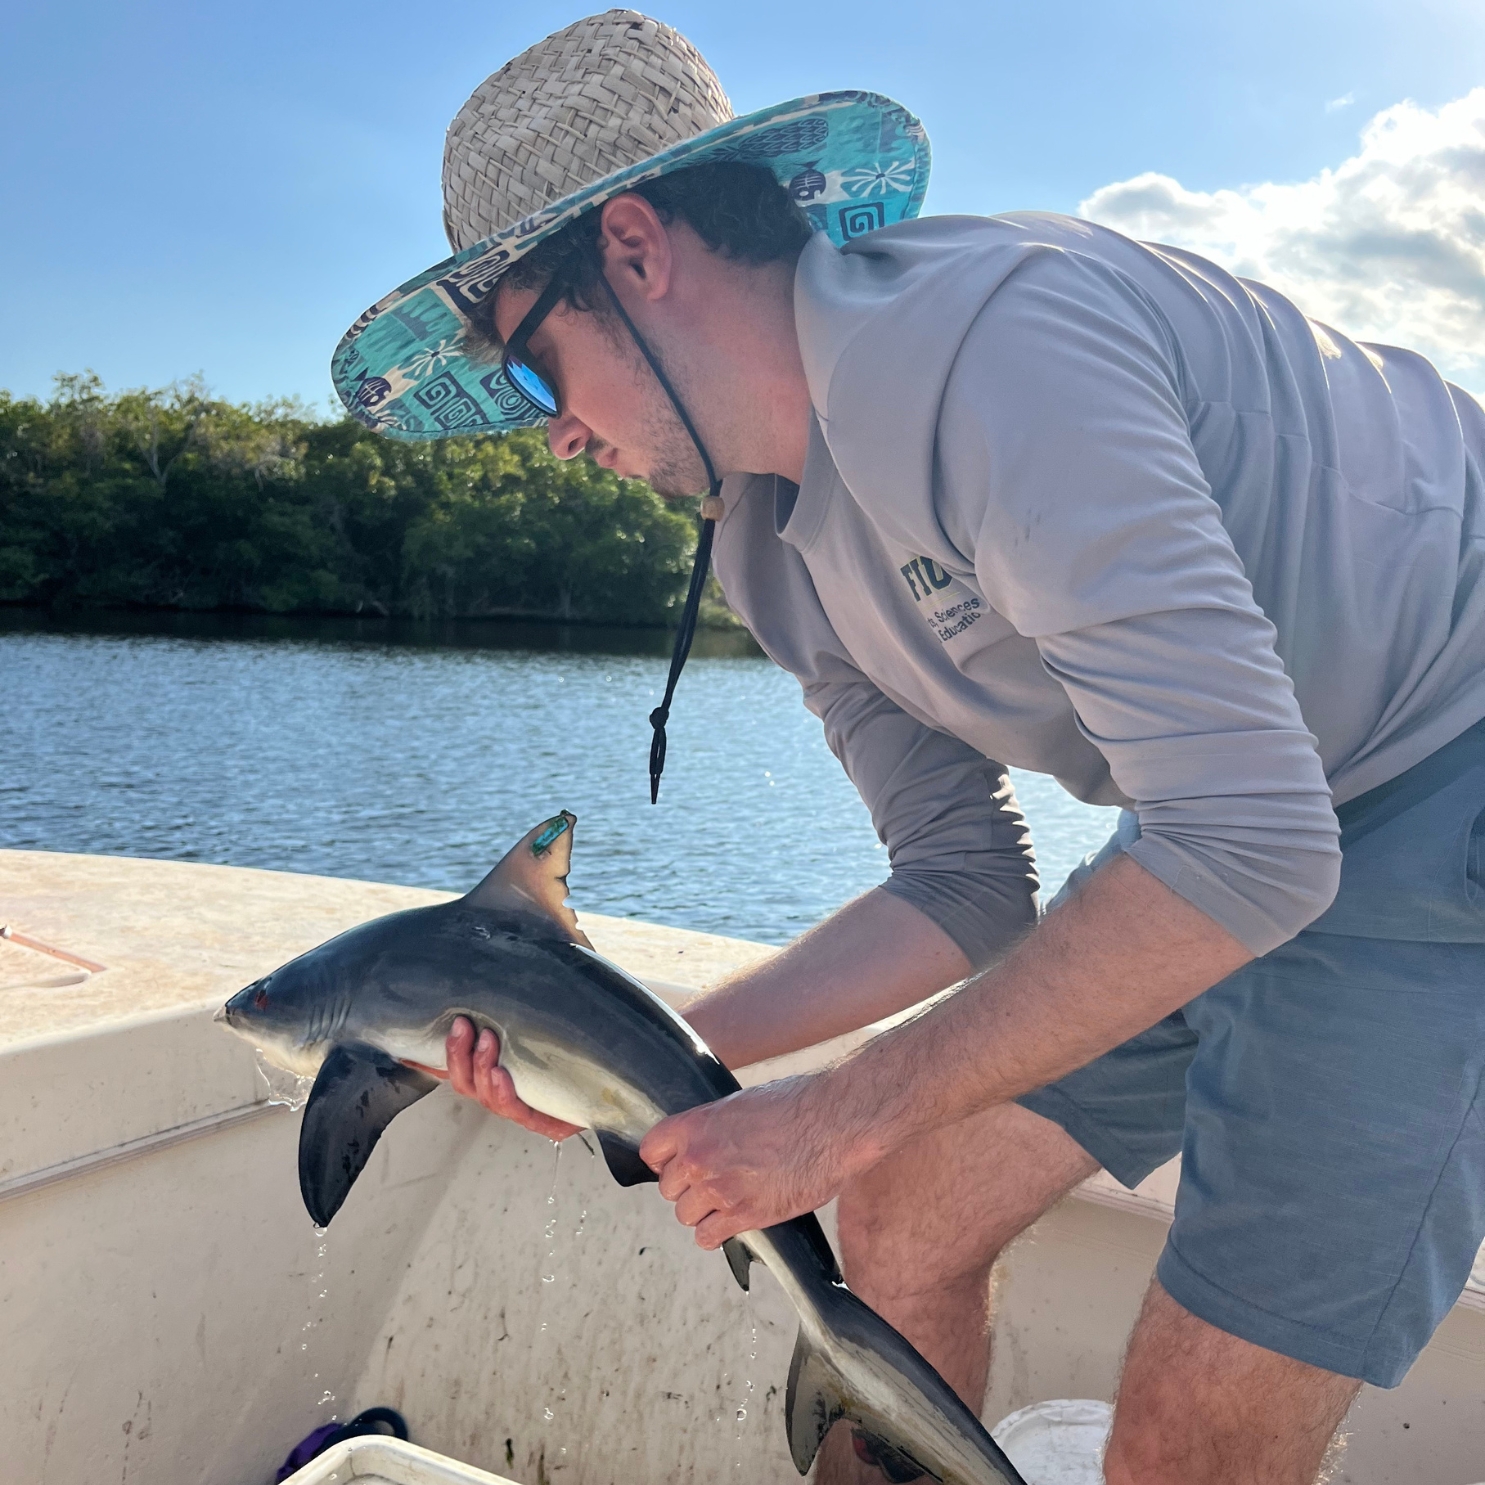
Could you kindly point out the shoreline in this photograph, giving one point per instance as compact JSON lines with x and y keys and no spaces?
{"x":714,"y":640}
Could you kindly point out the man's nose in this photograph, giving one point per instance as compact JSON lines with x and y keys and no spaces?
{"x":567,"y":436}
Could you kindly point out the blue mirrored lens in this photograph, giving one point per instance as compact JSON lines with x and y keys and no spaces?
{"x":533,"y":386}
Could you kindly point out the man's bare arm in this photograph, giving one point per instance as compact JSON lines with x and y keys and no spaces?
{"x":872,"y":958}
{"x":1122,"y":954}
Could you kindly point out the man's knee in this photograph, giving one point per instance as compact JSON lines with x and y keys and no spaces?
{"x":935,"y":1215}
{"x":888,"y":1250}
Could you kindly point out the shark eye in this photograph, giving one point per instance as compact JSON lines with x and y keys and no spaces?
{"x":260,"y":1000}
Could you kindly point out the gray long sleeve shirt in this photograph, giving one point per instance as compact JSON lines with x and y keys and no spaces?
{"x":1099,"y":510}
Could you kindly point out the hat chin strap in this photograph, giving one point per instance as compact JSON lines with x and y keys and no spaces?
{"x":687,"y":631}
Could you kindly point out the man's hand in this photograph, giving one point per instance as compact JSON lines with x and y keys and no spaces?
{"x":752,"y":1159}
{"x":474,"y":1070}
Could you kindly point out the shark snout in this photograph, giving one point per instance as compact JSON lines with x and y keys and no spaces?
{"x":238,"y":1012}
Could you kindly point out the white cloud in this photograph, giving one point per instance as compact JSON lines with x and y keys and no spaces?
{"x":1337,"y":104}
{"x":1387,"y":246}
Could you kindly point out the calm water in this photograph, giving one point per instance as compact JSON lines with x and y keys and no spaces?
{"x":411,"y":756}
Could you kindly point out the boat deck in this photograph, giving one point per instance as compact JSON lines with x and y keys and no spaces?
{"x":159,"y":1299}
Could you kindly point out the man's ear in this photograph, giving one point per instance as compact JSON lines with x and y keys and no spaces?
{"x":636,"y":247}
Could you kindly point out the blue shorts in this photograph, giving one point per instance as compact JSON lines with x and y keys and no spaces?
{"x":1327,"y":1100}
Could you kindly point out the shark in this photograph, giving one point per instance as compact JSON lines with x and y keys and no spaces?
{"x":586,"y":1042}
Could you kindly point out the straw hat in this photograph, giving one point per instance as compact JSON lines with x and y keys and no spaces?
{"x":592,"y":111}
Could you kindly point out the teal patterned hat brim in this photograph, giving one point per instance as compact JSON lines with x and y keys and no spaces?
{"x":853,"y":161}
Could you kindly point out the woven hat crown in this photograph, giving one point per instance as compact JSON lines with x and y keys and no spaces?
{"x":606,"y":92}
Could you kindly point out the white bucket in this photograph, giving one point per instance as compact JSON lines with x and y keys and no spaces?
{"x":383,"y":1461}
{"x":1058,"y":1442}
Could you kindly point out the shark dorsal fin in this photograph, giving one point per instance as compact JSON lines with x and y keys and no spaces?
{"x":533,"y":875}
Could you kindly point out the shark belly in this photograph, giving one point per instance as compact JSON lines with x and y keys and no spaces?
{"x":564,"y":1084}
{"x":423,"y":1047}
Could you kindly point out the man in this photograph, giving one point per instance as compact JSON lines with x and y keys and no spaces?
{"x":1021,"y":491}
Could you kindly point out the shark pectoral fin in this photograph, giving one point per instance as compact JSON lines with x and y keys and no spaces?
{"x":739,"y":1256}
{"x":812,"y":1402}
{"x":358,"y":1092}
{"x":624,"y":1164}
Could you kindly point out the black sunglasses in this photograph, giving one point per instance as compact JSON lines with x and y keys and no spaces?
{"x":533,"y":384}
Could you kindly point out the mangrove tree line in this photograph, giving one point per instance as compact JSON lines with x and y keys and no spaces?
{"x":177,"y":499}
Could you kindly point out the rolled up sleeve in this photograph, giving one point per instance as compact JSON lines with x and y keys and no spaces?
{"x":956,"y":840}
{"x":1068,"y":477}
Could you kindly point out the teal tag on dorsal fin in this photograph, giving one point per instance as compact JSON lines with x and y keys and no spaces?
{"x":552,"y":831}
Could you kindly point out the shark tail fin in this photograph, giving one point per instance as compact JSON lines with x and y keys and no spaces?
{"x":929,"y":1432}
{"x":813,"y":1400}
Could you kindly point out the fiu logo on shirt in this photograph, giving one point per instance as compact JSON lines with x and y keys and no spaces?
{"x":946,"y":603}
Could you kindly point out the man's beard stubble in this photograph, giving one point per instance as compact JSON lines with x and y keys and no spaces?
{"x":676,"y":471}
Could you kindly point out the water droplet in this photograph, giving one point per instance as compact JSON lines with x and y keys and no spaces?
{"x":548,"y":1279}
{"x":548,"y":1414}
{"x":741,"y":1414}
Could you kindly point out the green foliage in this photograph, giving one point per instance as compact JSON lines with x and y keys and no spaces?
{"x":174,"y":499}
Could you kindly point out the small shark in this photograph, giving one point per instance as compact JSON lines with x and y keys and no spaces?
{"x":584,"y":1042}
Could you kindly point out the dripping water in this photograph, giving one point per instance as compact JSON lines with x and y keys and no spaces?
{"x":549,"y":1275}
{"x":320,"y":1292}
{"x":550,"y":1231}
{"x":741,"y":1414}
{"x":283,"y":1087}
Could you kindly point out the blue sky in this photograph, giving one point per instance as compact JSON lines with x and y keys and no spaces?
{"x":223,"y":188}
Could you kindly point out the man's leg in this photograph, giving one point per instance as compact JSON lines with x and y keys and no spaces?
{"x":1197,"y":1406}
{"x":920,"y":1231}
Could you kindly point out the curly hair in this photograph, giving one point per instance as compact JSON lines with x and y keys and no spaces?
{"x":739,"y":211}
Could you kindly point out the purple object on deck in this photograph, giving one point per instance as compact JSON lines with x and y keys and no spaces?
{"x":312,"y":1445}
